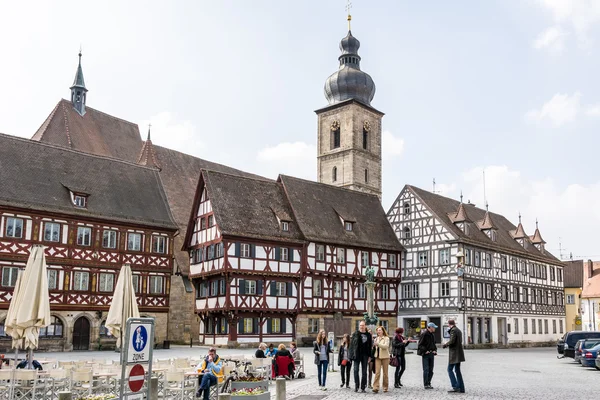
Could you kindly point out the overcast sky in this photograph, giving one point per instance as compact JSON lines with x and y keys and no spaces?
{"x":505,"y":86}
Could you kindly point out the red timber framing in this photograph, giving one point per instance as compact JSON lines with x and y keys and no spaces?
{"x":84,"y":263}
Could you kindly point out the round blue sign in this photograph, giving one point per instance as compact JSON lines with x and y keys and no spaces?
{"x":140,"y":338}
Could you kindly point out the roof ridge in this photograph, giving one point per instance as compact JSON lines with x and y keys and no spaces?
{"x":62,"y":148}
{"x":66,"y":118}
{"x":42,"y":129}
{"x":212,"y":171}
{"x":328,"y":185}
{"x":104,"y":113}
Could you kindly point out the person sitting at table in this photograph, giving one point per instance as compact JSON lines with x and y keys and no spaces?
{"x":294,"y":351}
{"x":260,"y":352}
{"x":272,"y":351}
{"x":284,"y":353}
{"x":212,"y":372}
{"x":35,"y":364}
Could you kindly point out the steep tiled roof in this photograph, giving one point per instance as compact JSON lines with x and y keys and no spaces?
{"x":537,"y":237}
{"x":486,"y":222}
{"x":441,"y":206}
{"x":519,"y":233}
{"x":318,"y":207}
{"x":573,"y":274}
{"x":39,"y":176}
{"x":94,"y":132}
{"x":591,"y":279}
{"x":460,"y":215}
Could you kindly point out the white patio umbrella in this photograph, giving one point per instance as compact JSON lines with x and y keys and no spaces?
{"x":29,"y":308}
{"x":123,"y":306}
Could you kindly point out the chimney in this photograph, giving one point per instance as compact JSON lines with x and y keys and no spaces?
{"x":590,"y":269}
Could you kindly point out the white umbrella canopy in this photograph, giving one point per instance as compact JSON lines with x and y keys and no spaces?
{"x":123,"y":306}
{"x":29,"y":308}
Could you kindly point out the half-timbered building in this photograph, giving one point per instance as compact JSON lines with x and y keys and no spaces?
{"x":476,"y":267}
{"x":279,"y":260}
{"x":92,"y":214}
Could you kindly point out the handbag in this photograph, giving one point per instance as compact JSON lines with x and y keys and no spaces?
{"x":344,"y":362}
{"x":393,"y":361}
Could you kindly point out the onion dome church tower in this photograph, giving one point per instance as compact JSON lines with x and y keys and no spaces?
{"x":349,"y":128}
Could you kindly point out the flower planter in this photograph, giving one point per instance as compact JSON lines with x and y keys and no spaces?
{"x":262,"y":396}
{"x":239,"y":385}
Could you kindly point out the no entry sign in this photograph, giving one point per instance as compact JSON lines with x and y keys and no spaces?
{"x":136,"y":378}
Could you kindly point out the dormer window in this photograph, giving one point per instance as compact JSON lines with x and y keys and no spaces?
{"x":79,"y":200}
{"x":349,"y":226}
{"x":285,"y":226}
{"x":493,"y":235}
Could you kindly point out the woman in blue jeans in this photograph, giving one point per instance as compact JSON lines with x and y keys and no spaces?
{"x":322,"y":349}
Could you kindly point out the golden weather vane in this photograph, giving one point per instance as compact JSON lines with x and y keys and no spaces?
{"x":348,"y":7}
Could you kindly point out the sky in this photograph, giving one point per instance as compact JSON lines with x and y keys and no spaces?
{"x":501,"y":86}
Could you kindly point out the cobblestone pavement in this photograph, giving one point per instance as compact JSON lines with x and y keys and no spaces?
{"x":489,"y":374}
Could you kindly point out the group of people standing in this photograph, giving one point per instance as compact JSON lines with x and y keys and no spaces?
{"x":367,"y":354}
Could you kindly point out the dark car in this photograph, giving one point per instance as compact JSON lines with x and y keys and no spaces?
{"x":572,"y":337}
{"x":588,"y":356}
{"x":598,"y":361}
{"x":583,"y":345}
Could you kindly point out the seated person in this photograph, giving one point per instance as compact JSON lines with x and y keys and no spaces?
{"x":260,"y":353}
{"x":294,"y":350}
{"x":282,"y":352}
{"x":35,"y":364}
{"x":272,"y":351}
{"x":212,"y":368}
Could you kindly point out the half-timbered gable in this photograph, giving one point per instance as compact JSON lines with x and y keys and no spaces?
{"x":507,"y":279}
{"x":92,"y":214}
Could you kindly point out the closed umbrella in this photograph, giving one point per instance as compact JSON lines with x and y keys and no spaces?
{"x":30,"y":304}
{"x":123,"y":306}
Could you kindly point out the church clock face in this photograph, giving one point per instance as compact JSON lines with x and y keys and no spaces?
{"x":367,"y":126}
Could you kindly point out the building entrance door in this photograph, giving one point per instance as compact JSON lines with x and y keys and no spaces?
{"x":502,"y":331}
{"x":81,"y":334}
{"x":438,"y":332}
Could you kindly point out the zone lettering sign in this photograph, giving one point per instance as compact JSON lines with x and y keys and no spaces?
{"x":138,"y":342}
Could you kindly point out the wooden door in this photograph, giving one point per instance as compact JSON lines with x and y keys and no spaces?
{"x":81,"y":334}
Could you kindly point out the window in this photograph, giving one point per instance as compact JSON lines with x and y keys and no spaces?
{"x":211,"y":220}
{"x":444,"y":256}
{"x":488,"y":260}
{"x":81,"y":280}
{"x":317,"y":288}
{"x":546,"y":326}
{"x":410,"y":291}
{"x":391,"y":261}
{"x":525,"y":295}
{"x":488,"y":291}
{"x":504,"y":293}
{"x":280,"y":289}
{"x":222,"y":288}
{"x":364,"y":259}
{"x":51,"y":232}
{"x":407,"y":233}
{"x":385,"y":292}
{"x":337,"y":289}
{"x":533,"y":326}
{"x":406,"y":208}
{"x":366,"y":175}
{"x":554,"y":326}
{"x":540,"y":326}
{"x":336,"y":138}
{"x":106,"y":282}
{"x":362,"y":293}
{"x":14,"y":227}
{"x":104,"y":330}
{"x":479,"y":290}
{"x":248,"y":325}
{"x":199,"y":255}
{"x":468,"y":257}
{"x":503,"y":263}
{"x":223,"y":326}
{"x":79,"y":201}
{"x":245,"y":250}
{"x":9,"y":276}
{"x":320,"y":252}
{"x":275,"y":325}
{"x":365,"y":138}
{"x":219,"y":250}
{"x":55,"y":329}
{"x":52,"y":279}
{"x":250,"y":287}
{"x":202,"y":223}
{"x":423,"y":259}
{"x":285,"y":226}
{"x":477,"y":259}
{"x":156,"y":284}
{"x":525,"y":326}
{"x":135,"y":282}
{"x":334,"y":174}
{"x":559,"y":275}
{"x":109,"y":239}
{"x":313,"y":325}
{"x":84,"y":236}
{"x":349,"y":226}
{"x":445,"y":289}
{"x":516,"y":322}
{"x":560,"y":325}
{"x":285,"y":254}
{"x":159,"y":244}
{"x":341,"y":255}
{"x":134,"y":241}
{"x":552,"y":275}
{"x":214,"y":287}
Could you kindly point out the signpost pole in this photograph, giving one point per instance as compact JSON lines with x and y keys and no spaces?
{"x":137,"y":352}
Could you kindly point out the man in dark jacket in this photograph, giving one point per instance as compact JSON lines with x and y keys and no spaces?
{"x":359,"y":352}
{"x":427,"y":350}
{"x":456,"y":355}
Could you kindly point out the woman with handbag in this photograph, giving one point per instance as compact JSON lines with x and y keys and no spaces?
{"x":322,"y":349}
{"x":382,"y":359}
{"x":398,"y":356}
{"x":344,"y":361}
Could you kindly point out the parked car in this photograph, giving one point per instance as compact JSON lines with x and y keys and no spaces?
{"x":598,"y":362}
{"x":582,"y":345}
{"x":571,"y":338}
{"x":588,"y":356}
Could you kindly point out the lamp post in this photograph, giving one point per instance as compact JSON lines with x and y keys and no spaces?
{"x":460,"y":273}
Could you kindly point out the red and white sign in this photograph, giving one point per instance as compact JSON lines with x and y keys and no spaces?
{"x":136,"y":378}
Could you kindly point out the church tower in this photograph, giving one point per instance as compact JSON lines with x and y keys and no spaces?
{"x":78,"y":90}
{"x":349,"y":128}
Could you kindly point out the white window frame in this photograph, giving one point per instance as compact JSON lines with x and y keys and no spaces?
{"x":281,"y":289}
{"x":285,"y":226}
{"x":364,"y":258}
{"x":275,"y":325}
{"x":362,"y":291}
{"x":414,"y":290}
{"x":52,"y":228}
{"x":82,"y":233}
{"x":348,"y":226}
{"x":14,"y":223}
{"x":406,"y":208}
{"x":317,"y":288}
{"x":132,"y":245}
{"x":219,"y":250}
{"x":11,"y":273}
{"x":445,"y":289}
{"x":159,"y":244}
{"x":52,"y":279}
{"x":423,"y":258}
{"x":248,"y":325}
{"x":245,"y":250}
{"x":313,"y":325}
{"x":340,"y":255}
{"x":468,"y":257}
{"x":135,"y":282}
{"x":250,"y":287}
{"x":320,"y":252}
{"x":79,"y":201}
{"x":78,"y":280}
{"x":337,"y":289}
{"x":391,"y":260}
{"x":385,"y":291}
{"x":477,"y":259}
{"x":157,"y":284}
{"x":106,"y":282}
{"x":570,"y":299}
{"x":109,"y":239}
{"x":284,"y":254}
{"x":444,"y":256}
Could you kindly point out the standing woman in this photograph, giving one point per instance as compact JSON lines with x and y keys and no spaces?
{"x":322,"y":349}
{"x":382,"y":358}
{"x":344,"y":361}
{"x":399,"y":351}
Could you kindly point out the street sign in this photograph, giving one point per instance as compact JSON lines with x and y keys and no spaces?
{"x":139,"y":348}
{"x":136,"y":378}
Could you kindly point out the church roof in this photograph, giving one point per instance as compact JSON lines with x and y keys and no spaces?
{"x":39,"y":176}
{"x":318,"y":207}
{"x":442,"y":206}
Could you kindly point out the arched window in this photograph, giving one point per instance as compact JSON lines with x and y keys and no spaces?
{"x":366,"y":175}
{"x":55,"y":329}
{"x":336,"y":138}
{"x":334,"y":174}
{"x":406,"y":208}
{"x":407,"y":233}
{"x":104,"y":330}
{"x":365,"y":139}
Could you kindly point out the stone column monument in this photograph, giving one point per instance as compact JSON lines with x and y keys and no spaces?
{"x":370,"y":316}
